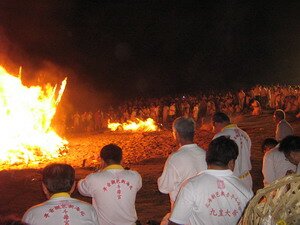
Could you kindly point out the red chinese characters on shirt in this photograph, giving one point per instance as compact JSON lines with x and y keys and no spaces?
{"x":239,"y":136}
{"x":118,"y":183}
{"x":222,"y":195}
{"x":63,"y":208}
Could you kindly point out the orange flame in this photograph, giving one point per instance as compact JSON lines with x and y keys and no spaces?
{"x":146,"y":126}
{"x":25,"y":117}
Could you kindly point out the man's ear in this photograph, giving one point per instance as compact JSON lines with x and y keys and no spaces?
{"x":231,"y":164}
{"x":45,"y":190}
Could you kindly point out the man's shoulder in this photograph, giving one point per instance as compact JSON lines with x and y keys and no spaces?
{"x":186,"y":151}
{"x":274,"y":153}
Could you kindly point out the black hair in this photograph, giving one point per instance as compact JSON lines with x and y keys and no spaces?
{"x":221,"y":150}
{"x":111,"y":153}
{"x":289,"y":144}
{"x":220,"y":117}
{"x":58,"y":177}
{"x":268,"y":142}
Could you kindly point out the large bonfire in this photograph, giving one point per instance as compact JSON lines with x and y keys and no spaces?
{"x":26,"y":134}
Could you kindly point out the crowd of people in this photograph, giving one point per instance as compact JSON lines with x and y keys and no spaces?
{"x":200,"y":107}
{"x":205,"y":187}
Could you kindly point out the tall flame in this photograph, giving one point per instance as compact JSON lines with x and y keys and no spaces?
{"x":147,"y":125}
{"x":25,"y":121}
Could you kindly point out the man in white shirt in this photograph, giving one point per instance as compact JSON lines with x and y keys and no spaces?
{"x":182,"y":164}
{"x":223,"y":127}
{"x":113,"y":189}
{"x":58,"y":182}
{"x":275,"y":165}
{"x":283,"y":128}
{"x":290,"y":146}
{"x":215,"y":196}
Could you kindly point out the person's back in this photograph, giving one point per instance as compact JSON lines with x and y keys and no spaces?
{"x":220,"y":198}
{"x":58,"y":183}
{"x":242,"y":139}
{"x":275,"y":166}
{"x":185,"y":163}
{"x":61,"y":210}
{"x":283,"y":128}
{"x":215,"y":196}
{"x":113,"y":189}
{"x":114,"y":192}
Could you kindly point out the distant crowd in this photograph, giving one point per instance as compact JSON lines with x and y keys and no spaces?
{"x":200,"y":107}
{"x":212,"y":186}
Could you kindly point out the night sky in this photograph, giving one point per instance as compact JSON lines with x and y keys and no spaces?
{"x":152,"y":48}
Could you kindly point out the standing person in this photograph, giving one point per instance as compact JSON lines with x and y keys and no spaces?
{"x":215,"y":196}
{"x":113,"y":189}
{"x":290,"y":146}
{"x":58,"y":182}
{"x":182,"y":164}
{"x":196,"y":112}
{"x":165,"y":113}
{"x":283,"y":128}
{"x":241,"y":98}
{"x":224,"y":127}
{"x":172,"y":112}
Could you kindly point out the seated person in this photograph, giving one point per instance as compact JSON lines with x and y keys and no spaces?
{"x":215,"y":196}
{"x":290,"y":146}
{"x":58,"y":182}
{"x":275,"y":165}
{"x":255,"y":105}
{"x":113,"y":189}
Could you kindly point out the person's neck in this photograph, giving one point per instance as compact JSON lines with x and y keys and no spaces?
{"x":185,"y":142}
{"x":226,"y":124}
{"x":112,"y":163}
{"x":216,"y":167}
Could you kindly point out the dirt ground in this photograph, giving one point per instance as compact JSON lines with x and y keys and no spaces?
{"x":20,"y":188}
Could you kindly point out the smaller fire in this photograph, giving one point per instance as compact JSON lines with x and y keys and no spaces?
{"x":146,"y":126}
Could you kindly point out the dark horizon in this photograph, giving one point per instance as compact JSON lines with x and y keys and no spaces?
{"x":154,"y":48}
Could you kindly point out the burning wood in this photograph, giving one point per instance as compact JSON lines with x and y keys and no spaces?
{"x":25,"y":118}
{"x":147,"y":126}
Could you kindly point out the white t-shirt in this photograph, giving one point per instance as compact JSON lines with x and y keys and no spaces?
{"x":242,"y":163}
{"x":186,"y":162}
{"x":61,"y":211}
{"x":283,"y":129}
{"x":214,"y":197}
{"x":114,"y":192}
{"x":275,"y":165}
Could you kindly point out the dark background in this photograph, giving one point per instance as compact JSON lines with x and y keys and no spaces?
{"x":122,"y":49}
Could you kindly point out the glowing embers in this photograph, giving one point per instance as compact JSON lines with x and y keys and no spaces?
{"x":25,"y":121}
{"x":146,"y":126}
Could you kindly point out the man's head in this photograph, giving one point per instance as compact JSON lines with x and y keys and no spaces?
{"x":222,"y":152}
{"x":58,"y":178}
{"x":290,"y":146}
{"x":220,"y":120}
{"x":111,"y":154}
{"x":268,"y":144}
{"x":184,"y":130}
{"x":279,"y":115}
